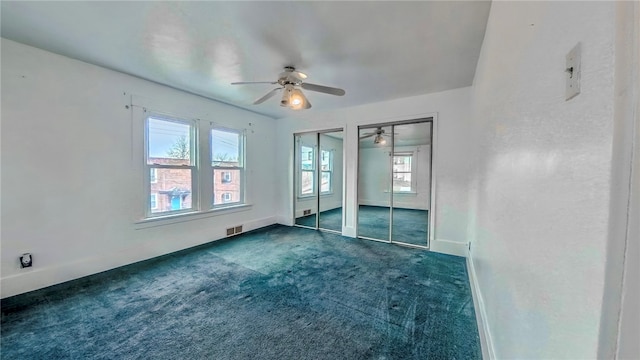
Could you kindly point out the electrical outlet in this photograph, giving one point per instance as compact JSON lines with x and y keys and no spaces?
{"x":26,"y":260}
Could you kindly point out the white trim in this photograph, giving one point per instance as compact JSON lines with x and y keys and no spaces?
{"x":486,"y":340}
{"x":284,"y":220}
{"x":449,"y":247}
{"x":434,"y":175}
{"x":37,"y":278}
{"x":189,"y":216}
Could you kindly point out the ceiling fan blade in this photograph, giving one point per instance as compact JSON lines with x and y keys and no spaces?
{"x":253,"y":82}
{"x":267,"y":96}
{"x":367,"y":136}
{"x":323,"y":89}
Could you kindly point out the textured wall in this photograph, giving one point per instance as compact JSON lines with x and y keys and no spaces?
{"x":540,"y":193}
{"x":77,"y":214}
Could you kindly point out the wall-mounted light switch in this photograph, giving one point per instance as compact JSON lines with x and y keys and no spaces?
{"x":572,"y":73}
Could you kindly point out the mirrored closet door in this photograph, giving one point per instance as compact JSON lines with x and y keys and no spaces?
{"x":318,"y":180}
{"x":394,"y":182}
{"x":374,"y":198}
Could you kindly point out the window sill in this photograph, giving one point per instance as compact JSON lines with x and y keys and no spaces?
{"x":190,"y":216}
{"x":402,"y":192}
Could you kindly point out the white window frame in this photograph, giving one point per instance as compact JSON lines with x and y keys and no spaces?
{"x":193,"y":166}
{"x":242,"y":161}
{"x":412,"y":155}
{"x":225,"y":199}
{"x":153,"y":179}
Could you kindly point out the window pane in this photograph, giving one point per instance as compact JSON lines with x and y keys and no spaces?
{"x":325,"y":160}
{"x":401,"y":182}
{"x":306,"y":158}
{"x":226,"y":148}
{"x":325,"y":186}
{"x":168,"y":142}
{"x":306,"y":182}
{"x":227,"y":186}
{"x":172,"y":190}
{"x":402,"y":163}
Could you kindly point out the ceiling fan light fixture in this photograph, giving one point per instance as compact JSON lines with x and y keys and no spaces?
{"x":286,"y":96}
{"x":296,"y":100}
{"x":379,"y":140}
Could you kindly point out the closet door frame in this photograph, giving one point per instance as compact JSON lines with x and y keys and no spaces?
{"x":432,"y":218}
{"x":317,"y":179}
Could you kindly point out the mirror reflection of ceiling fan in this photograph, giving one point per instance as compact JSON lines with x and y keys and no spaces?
{"x":379,"y":134}
{"x":291,"y":81}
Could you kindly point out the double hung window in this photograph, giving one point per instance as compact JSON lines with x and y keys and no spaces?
{"x":170,"y":166}
{"x":174,"y":178}
{"x":227,"y":161}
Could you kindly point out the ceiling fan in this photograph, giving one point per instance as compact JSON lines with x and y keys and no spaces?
{"x":379,"y":134}
{"x":291,"y":81}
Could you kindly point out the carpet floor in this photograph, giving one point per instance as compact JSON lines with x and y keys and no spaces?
{"x":276,"y":293}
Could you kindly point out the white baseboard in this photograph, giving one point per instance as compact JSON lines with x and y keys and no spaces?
{"x":284,"y":220}
{"x":349,"y":231}
{"x":450,"y":247}
{"x":486,"y":341}
{"x":37,"y":278}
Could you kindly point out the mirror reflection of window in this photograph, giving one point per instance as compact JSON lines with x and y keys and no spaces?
{"x":402,"y":172}
{"x":307,"y":168}
{"x":317,"y":178}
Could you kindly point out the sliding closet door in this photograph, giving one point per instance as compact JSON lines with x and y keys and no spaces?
{"x":330,"y":180}
{"x":374,"y":182}
{"x":305,"y":179}
{"x":411,"y":176}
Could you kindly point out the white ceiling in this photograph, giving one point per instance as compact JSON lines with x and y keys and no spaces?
{"x":374,"y":50}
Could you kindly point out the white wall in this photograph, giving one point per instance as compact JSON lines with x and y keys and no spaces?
{"x":451,"y":164}
{"x":374,"y":178}
{"x":71,"y":188}
{"x":540,"y":194}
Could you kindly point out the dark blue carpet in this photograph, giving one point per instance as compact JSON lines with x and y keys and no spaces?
{"x":277,"y":293}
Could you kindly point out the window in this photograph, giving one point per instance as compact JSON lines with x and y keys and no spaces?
{"x":228,"y":162}
{"x":176,"y":177}
{"x":403,"y":168}
{"x":170,"y":155}
{"x":326,"y":163}
{"x":308,"y":170}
